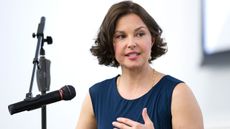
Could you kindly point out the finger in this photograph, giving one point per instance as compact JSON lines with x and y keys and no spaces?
{"x":145,"y":116}
{"x":119,"y":125}
{"x":127,"y":121}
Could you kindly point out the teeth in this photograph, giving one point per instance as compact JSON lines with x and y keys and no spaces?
{"x":132,"y":54}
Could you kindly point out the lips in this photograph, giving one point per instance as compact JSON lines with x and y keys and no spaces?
{"x":132,"y":55}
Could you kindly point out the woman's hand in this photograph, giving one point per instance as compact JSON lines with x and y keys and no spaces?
{"x":125,"y":123}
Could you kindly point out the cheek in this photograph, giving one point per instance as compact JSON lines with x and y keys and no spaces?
{"x":147,"y":46}
{"x":118,"y":47}
{"x":116,"y":50}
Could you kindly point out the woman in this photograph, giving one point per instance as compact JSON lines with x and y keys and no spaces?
{"x":141,"y":97}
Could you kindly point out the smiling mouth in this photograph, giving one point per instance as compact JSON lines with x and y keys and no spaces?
{"x":134,"y":54}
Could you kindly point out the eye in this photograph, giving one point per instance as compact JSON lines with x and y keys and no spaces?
{"x":140,"y":34}
{"x":119,"y":36}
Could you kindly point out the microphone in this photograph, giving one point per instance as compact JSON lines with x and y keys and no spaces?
{"x":65,"y":93}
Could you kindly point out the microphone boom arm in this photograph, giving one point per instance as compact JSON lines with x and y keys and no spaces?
{"x":40,"y":37}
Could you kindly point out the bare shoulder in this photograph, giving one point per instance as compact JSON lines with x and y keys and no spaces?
{"x":185,"y":109}
{"x":86,"y":119}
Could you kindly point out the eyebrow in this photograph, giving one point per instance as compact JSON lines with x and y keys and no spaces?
{"x":135,"y":30}
{"x":140,"y":28}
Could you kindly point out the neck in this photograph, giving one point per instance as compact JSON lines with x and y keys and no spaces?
{"x":133,"y":84}
{"x":137,"y":77}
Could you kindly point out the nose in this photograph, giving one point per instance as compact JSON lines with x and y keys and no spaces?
{"x":131,"y":43}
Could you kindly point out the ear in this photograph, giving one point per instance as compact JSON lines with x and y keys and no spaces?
{"x":153,"y":40}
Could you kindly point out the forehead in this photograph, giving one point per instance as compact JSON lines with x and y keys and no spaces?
{"x":129,"y":21}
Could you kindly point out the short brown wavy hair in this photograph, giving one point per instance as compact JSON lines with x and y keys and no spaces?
{"x":103,"y":48}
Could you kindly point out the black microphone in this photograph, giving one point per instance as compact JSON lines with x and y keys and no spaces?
{"x":65,"y":93}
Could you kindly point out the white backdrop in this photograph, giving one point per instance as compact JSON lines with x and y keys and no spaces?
{"x":73,"y":26}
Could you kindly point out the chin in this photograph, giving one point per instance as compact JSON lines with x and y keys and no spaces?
{"x":134,"y":66}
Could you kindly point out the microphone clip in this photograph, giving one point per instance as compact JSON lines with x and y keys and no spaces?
{"x":48,"y":39}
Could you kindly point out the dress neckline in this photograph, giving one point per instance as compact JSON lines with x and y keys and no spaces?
{"x":134,"y":99}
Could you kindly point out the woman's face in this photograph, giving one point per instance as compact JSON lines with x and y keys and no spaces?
{"x":132,"y":42}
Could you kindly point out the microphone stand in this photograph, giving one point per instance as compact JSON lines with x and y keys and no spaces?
{"x":43,"y":81}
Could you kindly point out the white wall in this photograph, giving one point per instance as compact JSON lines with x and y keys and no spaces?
{"x":73,"y":26}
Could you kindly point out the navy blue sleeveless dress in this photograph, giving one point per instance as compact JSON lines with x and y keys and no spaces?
{"x":108,"y":104}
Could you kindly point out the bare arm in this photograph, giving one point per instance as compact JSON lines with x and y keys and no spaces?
{"x":186,"y":113}
{"x":86,"y":119}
